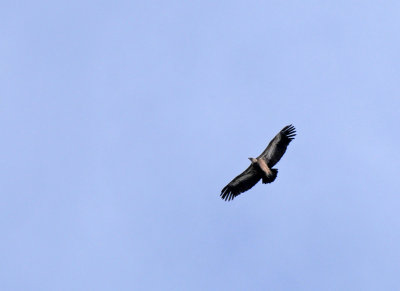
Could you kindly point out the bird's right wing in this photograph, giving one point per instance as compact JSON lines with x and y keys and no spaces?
{"x":241,"y":183}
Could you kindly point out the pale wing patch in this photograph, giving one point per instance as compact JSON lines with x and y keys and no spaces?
{"x":263,"y":165}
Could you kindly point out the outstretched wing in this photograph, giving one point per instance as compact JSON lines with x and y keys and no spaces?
{"x":241,"y":183}
{"x":277,"y":146}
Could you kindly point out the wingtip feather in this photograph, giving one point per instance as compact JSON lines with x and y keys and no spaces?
{"x":289,"y":131}
{"x":227,"y":194}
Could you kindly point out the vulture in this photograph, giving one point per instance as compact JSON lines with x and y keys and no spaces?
{"x":261,"y":167}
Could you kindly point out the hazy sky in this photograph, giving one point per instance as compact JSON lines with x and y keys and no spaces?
{"x":121,"y":121}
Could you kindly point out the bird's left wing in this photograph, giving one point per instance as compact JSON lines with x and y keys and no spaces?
{"x":241,"y":183}
{"x":277,"y":146}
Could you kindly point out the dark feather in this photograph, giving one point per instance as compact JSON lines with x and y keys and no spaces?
{"x":241,"y":183}
{"x":278,"y":145}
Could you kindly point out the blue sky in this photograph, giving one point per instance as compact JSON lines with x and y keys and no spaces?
{"x":122,"y":121}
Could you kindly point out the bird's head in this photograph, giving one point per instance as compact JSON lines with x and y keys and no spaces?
{"x":253,"y":160}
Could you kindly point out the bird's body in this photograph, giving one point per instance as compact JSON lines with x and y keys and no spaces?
{"x":261,"y":167}
{"x":268,"y":175}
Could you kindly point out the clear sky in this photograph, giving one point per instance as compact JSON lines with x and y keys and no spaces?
{"x":121,"y":121}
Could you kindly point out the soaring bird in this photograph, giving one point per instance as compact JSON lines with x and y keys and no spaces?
{"x":261,"y":167}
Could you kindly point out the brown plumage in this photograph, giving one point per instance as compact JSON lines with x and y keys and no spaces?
{"x":261,"y":167}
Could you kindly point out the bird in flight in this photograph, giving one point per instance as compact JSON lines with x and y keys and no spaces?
{"x":261,"y":167}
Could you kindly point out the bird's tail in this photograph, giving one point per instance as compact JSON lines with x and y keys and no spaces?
{"x":271,"y":177}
